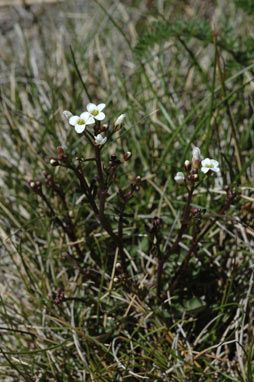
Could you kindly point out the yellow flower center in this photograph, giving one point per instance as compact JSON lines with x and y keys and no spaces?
{"x":81,"y":122}
{"x":95,"y":112}
{"x":209,"y":166}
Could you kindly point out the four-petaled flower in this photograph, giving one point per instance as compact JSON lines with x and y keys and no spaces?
{"x":179,"y":178}
{"x":209,"y":164}
{"x":96,"y":111}
{"x":80,"y":122}
{"x":99,"y":140}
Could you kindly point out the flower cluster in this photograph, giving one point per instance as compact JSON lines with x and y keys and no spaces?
{"x":207,"y":166}
{"x":93,"y":116}
{"x":93,"y":113}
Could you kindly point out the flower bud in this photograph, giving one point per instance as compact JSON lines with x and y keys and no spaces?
{"x":127,"y":155}
{"x":179,"y":178}
{"x":53,"y":162}
{"x":128,"y":196}
{"x":60,"y":150}
{"x":196,"y":157}
{"x":71,"y":214}
{"x":119,"y":122}
{"x":32,"y":184}
{"x":194,"y":211}
{"x":62,"y":157}
{"x":187,"y":165}
{"x":35,"y":185}
{"x":103,"y":128}
{"x":67,"y":114}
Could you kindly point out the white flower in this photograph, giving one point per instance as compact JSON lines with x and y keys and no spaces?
{"x":196,"y":153}
{"x":119,"y":121}
{"x":209,"y":164}
{"x":179,"y":178}
{"x":80,"y":122}
{"x":96,"y":111}
{"x":99,"y":140}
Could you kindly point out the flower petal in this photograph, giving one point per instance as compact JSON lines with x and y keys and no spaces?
{"x":101,"y":106}
{"x":85,"y":115}
{"x":205,"y":169}
{"x":73,"y":120}
{"x":90,"y":107}
{"x":206,"y":162}
{"x":100,"y":116}
{"x":90,"y":120}
{"x":80,"y":128}
{"x":214,"y":162}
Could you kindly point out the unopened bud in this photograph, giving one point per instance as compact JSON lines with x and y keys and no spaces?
{"x":196,"y":153}
{"x":195,"y":177}
{"x":187,"y":165}
{"x":62,"y":157}
{"x":35,"y":185}
{"x":196,"y":157}
{"x":60,"y":150}
{"x":119,"y":122}
{"x":71,"y":213}
{"x":127,"y":155}
{"x":53,"y":162}
{"x":128,"y":196}
{"x":67,"y":114}
{"x":179,"y":178}
{"x":138,"y":179}
{"x":196,"y":212}
{"x":103,"y":128}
